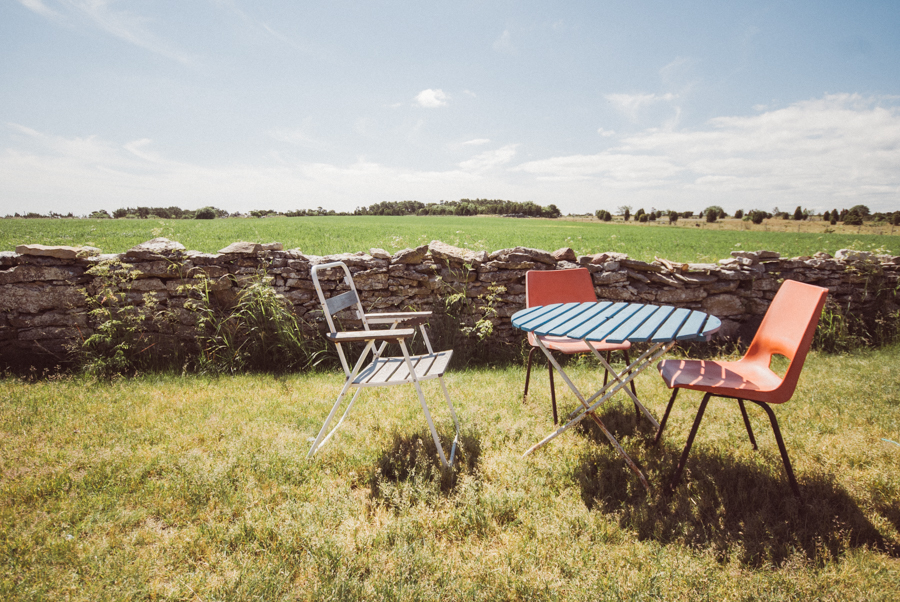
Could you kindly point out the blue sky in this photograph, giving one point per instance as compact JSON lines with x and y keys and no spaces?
{"x":588,"y":105}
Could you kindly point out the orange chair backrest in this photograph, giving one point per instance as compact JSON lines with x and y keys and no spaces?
{"x":543,"y":287}
{"x":787,"y":329}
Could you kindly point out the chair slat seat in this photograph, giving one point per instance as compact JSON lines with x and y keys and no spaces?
{"x":393,"y":370}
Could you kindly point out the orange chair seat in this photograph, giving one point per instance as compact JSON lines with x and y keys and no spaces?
{"x":741,"y":379}
{"x":572,"y":346}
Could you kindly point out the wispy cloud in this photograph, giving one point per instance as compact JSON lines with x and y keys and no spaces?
{"x":477,"y":142}
{"x":40,"y":8}
{"x":490,"y":159}
{"x":125,"y":25}
{"x":431,"y":99}
{"x":504,"y":43}
{"x":631,"y":105}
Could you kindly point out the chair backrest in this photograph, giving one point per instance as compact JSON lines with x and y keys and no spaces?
{"x":543,"y":287}
{"x":787,"y":329}
{"x":339,"y":302}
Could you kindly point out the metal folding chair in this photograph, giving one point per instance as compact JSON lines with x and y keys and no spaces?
{"x":787,"y":330}
{"x":372,"y":369}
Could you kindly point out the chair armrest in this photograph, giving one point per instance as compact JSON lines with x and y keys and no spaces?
{"x":412,"y":318}
{"x":370,"y":335}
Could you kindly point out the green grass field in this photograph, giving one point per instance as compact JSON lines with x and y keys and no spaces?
{"x":327,"y":235}
{"x":189,"y":488}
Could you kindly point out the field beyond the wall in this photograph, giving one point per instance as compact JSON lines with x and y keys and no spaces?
{"x":193,"y":488}
{"x":687,"y":241}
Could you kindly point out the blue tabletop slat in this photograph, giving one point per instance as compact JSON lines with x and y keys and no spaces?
{"x":602,"y":331}
{"x":617,"y":322}
{"x":536,"y":316}
{"x":595,"y":322}
{"x":712,"y":325}
{"x":692,"y":327}
{"x":524,"y":314}
{"x":565,"y":323}
{"x":623,"y":332}
{"x":670,"y":327}
{"x":649,"y":327}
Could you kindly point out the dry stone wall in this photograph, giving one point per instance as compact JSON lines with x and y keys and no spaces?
{"x":43,"y":307}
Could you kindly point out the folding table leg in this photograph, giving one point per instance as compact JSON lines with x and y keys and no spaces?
{"x":588,"y":411}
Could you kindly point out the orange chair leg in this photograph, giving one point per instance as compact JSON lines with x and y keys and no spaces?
{"x":747,"y":423}
{"x":690,"y":441}
{"x":782,"y":449}
{"x":528,"y":373}
{"x":662,"y":423}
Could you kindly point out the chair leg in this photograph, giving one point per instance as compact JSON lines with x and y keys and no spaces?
{"x":552,"y":392}
{"x":747,"y":422}
{"x":782,"y":449}
{"x":662,"y":423}
{"x":690,"y":441}
{"x":528,"y":373}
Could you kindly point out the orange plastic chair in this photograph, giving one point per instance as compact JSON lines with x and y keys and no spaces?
{"x":564,"y":286}
{"x":787,"y":330}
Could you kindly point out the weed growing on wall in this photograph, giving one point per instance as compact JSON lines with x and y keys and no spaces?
{"x":128,"y":332}
{"x":256,"y":330}
{"x":465,"y":322}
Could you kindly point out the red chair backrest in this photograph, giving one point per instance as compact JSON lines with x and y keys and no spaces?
{"x":787,"y":329}
{"x":543,"y":287}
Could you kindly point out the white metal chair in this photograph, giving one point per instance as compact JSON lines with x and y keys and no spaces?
{"x":381,"y":371}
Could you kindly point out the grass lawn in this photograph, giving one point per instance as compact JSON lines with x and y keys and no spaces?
{"x":189,"y":488}
{"x":689,"y":241}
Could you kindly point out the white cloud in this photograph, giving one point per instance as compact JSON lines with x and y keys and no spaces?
{"x":124,"y":25}
{"x":606,"y":133}
{"x":431,"y":99}
{"x":832,"y":152}
{"x":490,"y":159}
{"x":477,"y":142}
{"x":631,"y":105}
{"x":504,"y":43}
{"x":836,"y":151}
{"x":40,"y":8}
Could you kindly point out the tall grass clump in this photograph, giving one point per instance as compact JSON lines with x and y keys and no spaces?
{"x":221,"y":331}
{"x":255,"y":330}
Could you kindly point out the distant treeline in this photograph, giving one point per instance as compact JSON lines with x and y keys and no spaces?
{"x":854,"y":216}
{"x":460,"y":207}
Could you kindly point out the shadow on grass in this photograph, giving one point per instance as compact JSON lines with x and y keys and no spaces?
{"x":412,"y":468}
{"x":737,"y":511}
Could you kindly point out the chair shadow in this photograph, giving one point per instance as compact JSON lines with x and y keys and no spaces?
{"x":413,"y":459}
{"x":737,"y":511}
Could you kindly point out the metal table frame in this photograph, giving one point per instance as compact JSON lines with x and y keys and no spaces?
{"x":661,"y":326}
